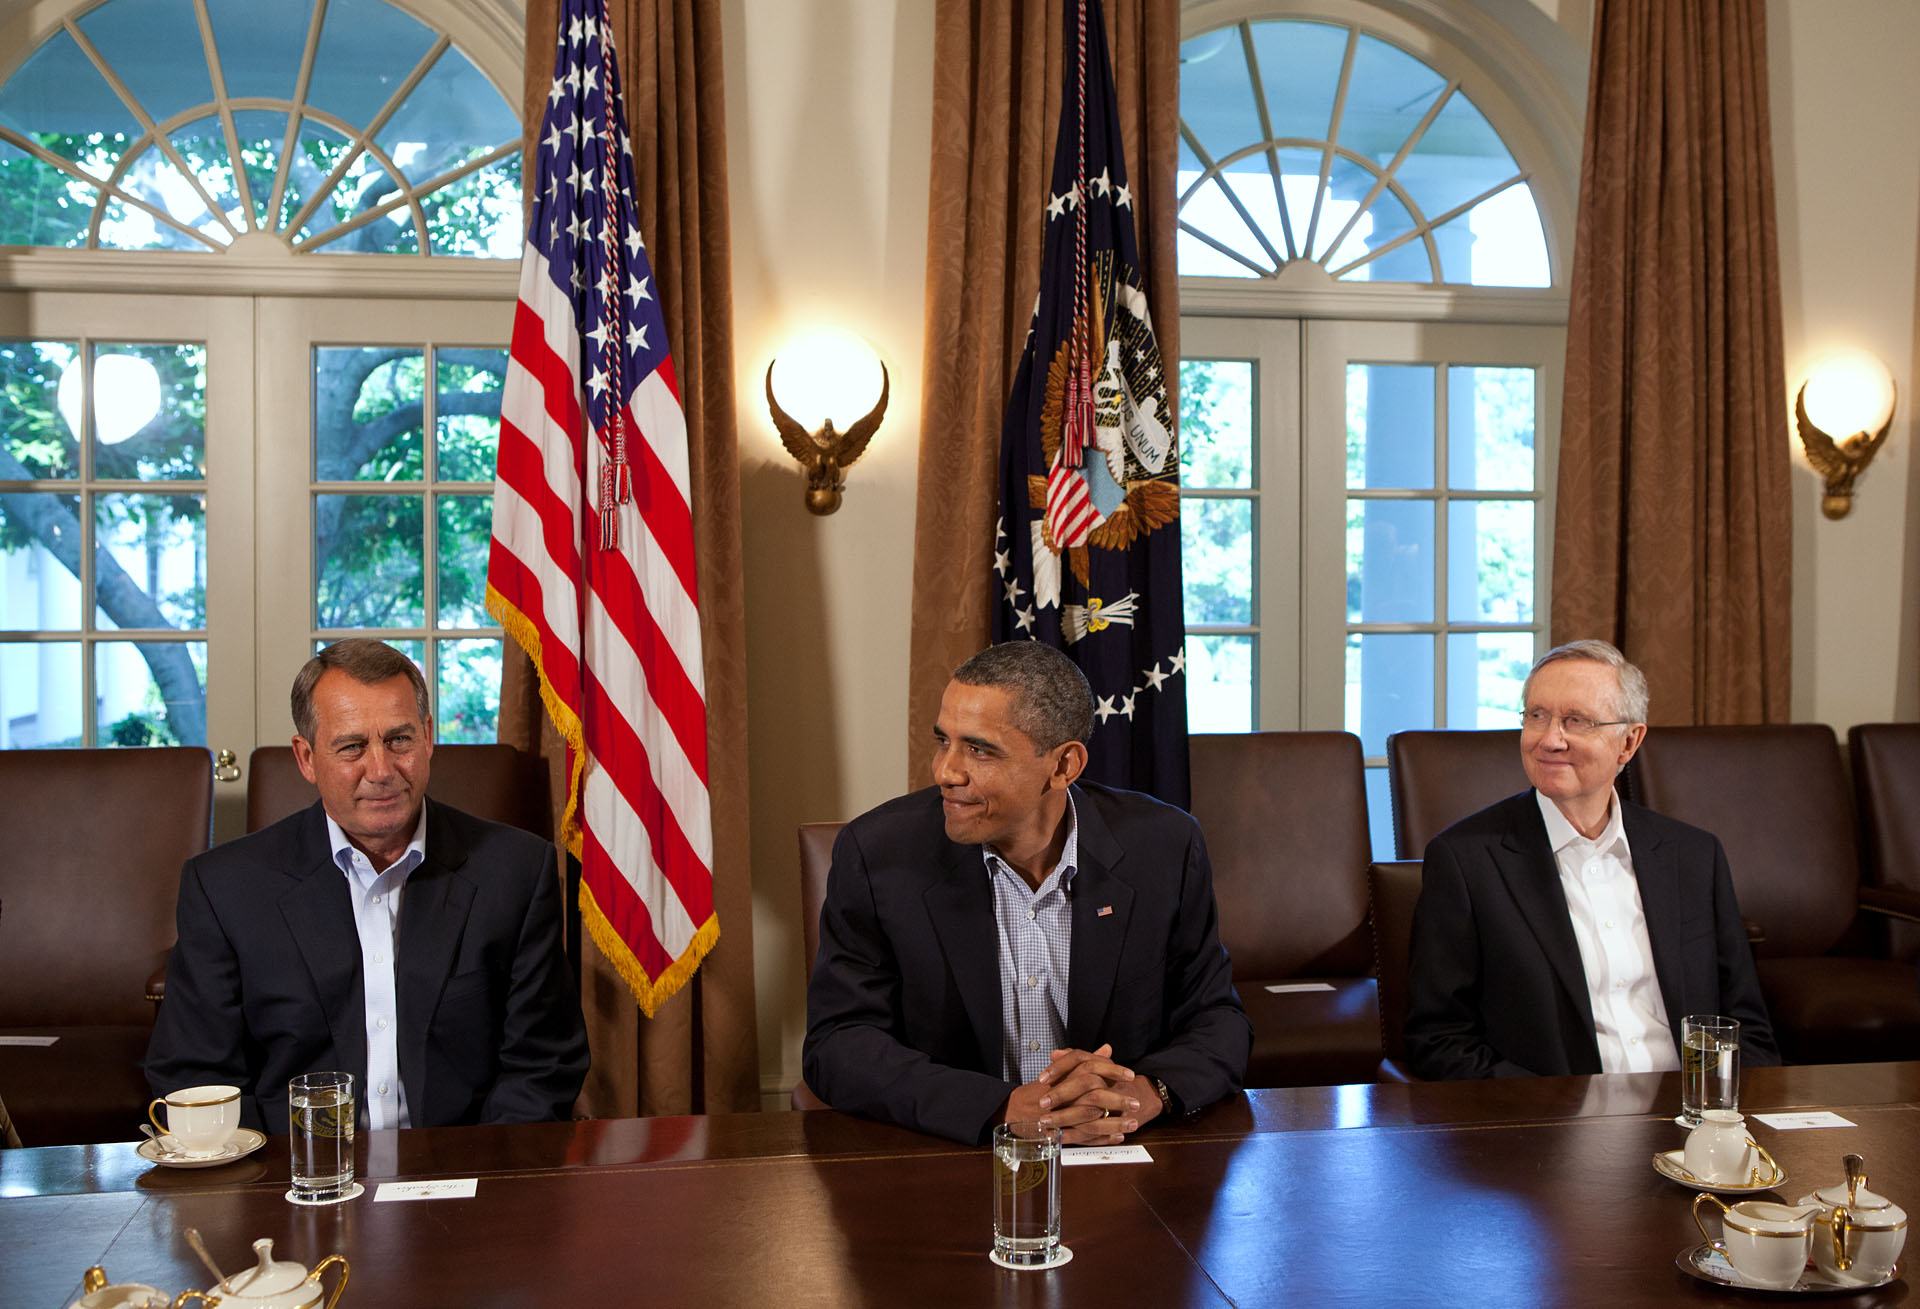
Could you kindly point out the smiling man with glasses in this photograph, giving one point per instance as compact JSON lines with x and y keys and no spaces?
{"x":1565,"y":930}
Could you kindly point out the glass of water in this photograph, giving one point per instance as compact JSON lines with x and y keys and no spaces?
{"x":1026,"y":1195}
{"x":1709,"y":1065}
{"x":321,"y":1109}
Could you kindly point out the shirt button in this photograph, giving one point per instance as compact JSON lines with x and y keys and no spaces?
{"x":378,"y":960}
{"x":1032,"y":981}
{"x":376,"y":899}
{"x":1029,"y":915}
{"x":1609,"y":924}
{"x":383,"y":1088}
{"x":383,"y":1024}
{"x":1033,"y":1045}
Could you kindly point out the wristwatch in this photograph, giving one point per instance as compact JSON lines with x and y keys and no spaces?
{"x":1167,"y":1106}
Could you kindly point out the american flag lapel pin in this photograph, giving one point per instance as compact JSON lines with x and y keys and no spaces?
{"x":1104,"y":911}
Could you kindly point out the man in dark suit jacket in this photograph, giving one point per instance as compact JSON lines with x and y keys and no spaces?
{"x":907,"y":1019}
{"x":1519,"y":940}
{"x":294,"y":955}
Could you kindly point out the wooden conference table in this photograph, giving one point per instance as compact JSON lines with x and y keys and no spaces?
{"x":1536,"y":1192}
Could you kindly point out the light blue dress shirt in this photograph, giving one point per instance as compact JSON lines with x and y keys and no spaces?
{"x":1036,"y":943}
{"x":376,"y":915}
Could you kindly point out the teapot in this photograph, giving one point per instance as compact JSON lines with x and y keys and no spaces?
{"x":271,"y":1284}
{"x":1858,"y":1235}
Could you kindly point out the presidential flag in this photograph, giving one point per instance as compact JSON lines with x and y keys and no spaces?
{"x":1087,"y":548}
{"x":592,"y":568}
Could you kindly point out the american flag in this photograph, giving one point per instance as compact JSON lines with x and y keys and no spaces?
{"x":592,"y":567}
{"x":1087,"y":549}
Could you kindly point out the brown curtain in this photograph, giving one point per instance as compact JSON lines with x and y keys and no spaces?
{"x":1674,"y":532}
{"x":996,"y":109}
{"x":700,"y":1053}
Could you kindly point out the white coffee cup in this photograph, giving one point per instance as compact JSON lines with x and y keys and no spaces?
{"x":200,"y":1119}
{"x":1766,"y":1243}
{"x":1719,"y":1152}
{"x":1856,"y":1241}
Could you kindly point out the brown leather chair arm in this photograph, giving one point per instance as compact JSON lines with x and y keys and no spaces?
{"x":1891,"y":901}
{"x":157,"y":983}
{"x":1755,"y":933}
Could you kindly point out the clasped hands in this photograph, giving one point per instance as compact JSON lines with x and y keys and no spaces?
{"x":1093,"y":1100}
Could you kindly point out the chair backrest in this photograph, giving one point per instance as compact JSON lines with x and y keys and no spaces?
{"x":1285,"y":819}
{"x":816,"y":857}
{"x":1777,"y":799}
{"x":1392,"y":891}
{"x":497,"y":782}
{"x":94,"y":844}
{"x":1438,"y":778}
{"x":1886,"y":780}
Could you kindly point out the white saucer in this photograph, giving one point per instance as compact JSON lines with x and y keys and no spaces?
{"x":1064,"y":1255}
{"x":1709,"y":1265}
{"x":164,"y":1152}
{"x":1668,"y":1164}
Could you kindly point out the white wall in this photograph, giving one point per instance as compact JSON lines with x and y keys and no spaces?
{"x":829,"y":116}
{"x":1845,"y":107}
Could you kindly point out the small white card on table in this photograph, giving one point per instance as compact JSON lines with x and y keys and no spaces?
{"x":28,"y":1040}
{"x":1795,"y":1122}
{"x":1288,"y":988}
{"x":449,"y":1188}
{"x":1105,"y":1154}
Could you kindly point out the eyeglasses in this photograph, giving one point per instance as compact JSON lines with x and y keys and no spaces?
{"x":1539,"y":720}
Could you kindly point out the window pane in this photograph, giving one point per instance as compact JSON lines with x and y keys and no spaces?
{"x":1498,"y":242}
{"x":154,"y":47}
{"x":1387,"y":96}
{"x":367,"y":552}
{"x":1485,"y":671}
{"x":465,"y":531}
{"x":1210,"y":211}
{"x":469,"y":692}
{"x":467,"y":413}
{"x":1219,"y":683}
{"x":1389,"y":561}
{"x":368,"y":402}
{"x":150,"y":561}
{"x":479,"y":215}
{"x":57,"y":99}
{"x":36,"y":439}
{"x":1379,"y":812}
{"x":1216,"y":423}
{"x":153,"y":179}
{"x":1300,"y":67}
{"x":1490,"y":429}
{"x":1490,"y":561}
{"x":1386,"y":220}
{"x":153,"y":693}
{"x":149,"y":411}
{"x":1389,"y":686}
{"x":319,"y":149}
{"x":1459,"y":157}
{"x":1216,"y":559}
{"x":40,"y":694}
{"x":415,"y":649}
{"x":260,"y":45}
{"x":1390,"y":437}
{"x":44,"y":205}
{"x":39,"y":548}
{"x":367,"y":48}
{"x":453,"y":114}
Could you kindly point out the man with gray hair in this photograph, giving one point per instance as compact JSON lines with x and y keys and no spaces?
{"x":1013,"y":944}
{"x":294,"y":956}
{"x":1565,"y":930}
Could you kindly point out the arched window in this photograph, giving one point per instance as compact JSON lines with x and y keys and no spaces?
{"x":218,"y":448}
{"x":344,"y":126}
{"x":1372,"y":330}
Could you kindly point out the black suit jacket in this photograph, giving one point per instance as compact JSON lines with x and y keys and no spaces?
{"x":265,"y":981}
{"x":1496,"y":987}
{"x":903,"y":1008}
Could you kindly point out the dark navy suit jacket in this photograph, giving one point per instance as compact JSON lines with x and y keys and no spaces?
{"x":265,"y":981}
{"x":1496,"y":987}
{"x":903,"y":1008}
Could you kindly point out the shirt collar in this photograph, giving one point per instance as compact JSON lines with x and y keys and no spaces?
{"x":414,"y":855}
{"x":1561,"y":832}
{"x":1069,"y":853}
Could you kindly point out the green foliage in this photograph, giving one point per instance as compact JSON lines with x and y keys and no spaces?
{"x":140,"y":729}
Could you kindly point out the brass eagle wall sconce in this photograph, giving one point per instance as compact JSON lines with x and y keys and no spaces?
{"x":825,"y":454}
{"x":1851,"y":393}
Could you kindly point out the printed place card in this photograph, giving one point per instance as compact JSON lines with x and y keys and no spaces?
{"x":1287,"y":988}
{"x":1795,"y":1122}
{"x":447,"y":1188}
{"x":28,"y":1040}
{"x":1105,"y":1154}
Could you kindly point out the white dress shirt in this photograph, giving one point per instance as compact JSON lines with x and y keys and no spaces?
{"x":1036,"y":942}
{"x":376,"y":915}
{"x":1610,"y":926}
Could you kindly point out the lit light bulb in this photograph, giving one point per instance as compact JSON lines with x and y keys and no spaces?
{"x":1849,"y":393}
{"x":825,"y":373}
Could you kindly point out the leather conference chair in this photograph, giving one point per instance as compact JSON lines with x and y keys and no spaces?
{"x":1392,"y":891}
{"x":1437,"y":778}
{"x":816,"y":858}
{"x":1886,"y":783}
{"x":1777,"y":799}
{"x":492,"y":781}
{"x":94,"y":844}
{"x":1285,"y":820}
